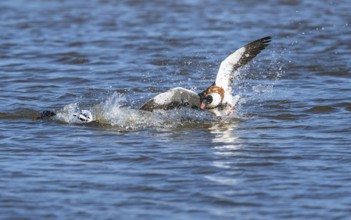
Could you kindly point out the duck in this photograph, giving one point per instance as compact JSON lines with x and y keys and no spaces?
{"x":217,"y":98}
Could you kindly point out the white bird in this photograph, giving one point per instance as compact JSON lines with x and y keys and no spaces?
{"x":217,"y":98}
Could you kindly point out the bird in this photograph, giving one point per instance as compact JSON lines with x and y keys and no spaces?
{"x":217,"y":98}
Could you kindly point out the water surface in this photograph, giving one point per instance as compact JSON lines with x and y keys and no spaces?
{"x":285,"y":154}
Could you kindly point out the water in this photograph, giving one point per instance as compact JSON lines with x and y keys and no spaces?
{"x":284,"y":155}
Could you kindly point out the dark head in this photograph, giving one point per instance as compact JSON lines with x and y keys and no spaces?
{"x":211,"y":97}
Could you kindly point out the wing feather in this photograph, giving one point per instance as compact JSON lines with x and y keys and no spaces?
{"x":173,"y":98}
{"x":238,"y":59}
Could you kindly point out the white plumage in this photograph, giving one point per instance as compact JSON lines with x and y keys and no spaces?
{"x":176,"y":97}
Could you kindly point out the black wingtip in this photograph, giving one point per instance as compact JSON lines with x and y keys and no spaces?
{"x":259,"y":44}
{"x":263,"y":41}
{"x":266,"y":40}
{"x":252,"y":49}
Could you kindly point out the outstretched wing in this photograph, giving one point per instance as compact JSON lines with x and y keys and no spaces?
{"x":238,"y":59}
{"x":173,"y":98}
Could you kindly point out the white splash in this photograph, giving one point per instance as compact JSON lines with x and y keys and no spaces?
{"x":115,"y":112}
{"x":69,"y":114}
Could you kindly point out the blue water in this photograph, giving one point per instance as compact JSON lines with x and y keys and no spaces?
{"x":285,"y":154}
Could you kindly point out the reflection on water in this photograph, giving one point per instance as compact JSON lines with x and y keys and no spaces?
{"x":224,"y":137}
{"x":226,"y":145}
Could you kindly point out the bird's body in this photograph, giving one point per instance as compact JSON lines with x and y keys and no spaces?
{"x":217,"y":98}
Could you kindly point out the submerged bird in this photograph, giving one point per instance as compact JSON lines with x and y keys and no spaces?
{"x":217,"y":98}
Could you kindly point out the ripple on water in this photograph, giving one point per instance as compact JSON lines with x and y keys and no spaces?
{"x":323,"y":109}
{"x":345,"y":105}
{"x":71,"y":58}
{"x":287,"y":116}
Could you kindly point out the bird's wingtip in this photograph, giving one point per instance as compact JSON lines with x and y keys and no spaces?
{"x":266,"y":40}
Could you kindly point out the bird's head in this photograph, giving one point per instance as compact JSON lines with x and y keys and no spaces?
{"x":211,"y":97}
